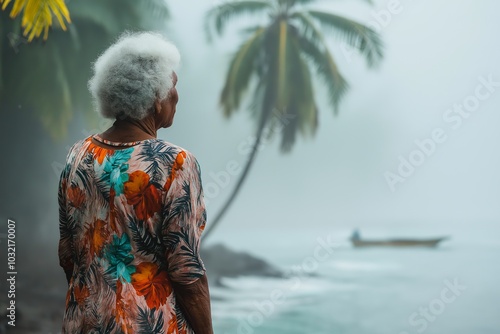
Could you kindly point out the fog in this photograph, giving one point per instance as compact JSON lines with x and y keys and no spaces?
{"x":435,"y":55}
{"x":413,"y":152}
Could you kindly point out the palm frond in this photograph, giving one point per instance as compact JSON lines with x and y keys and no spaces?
{"x":292,"y":3}
{"x":246,"y":33}
{"x":181,"y":320}
{"x":110,"y":326}
{"x":56,"y":85}
{"x":326,"y":69}
{"x":37,"y":15}
{"x":308,"y":28}
{"x":149,"y":322}
{"x":303,"y":112}
{"x":73,"y":308}
{"x":170,"y":241}
{"x":220,"y":15}
{"x":188,"y":253}
{"x":101,"y":184}
{"x":144,"y":240}
{"x":182,"y":204}
{"x":357,"y":35}
{"x":240,"y":72}
{"x":93,"y":316}
{"x":158,"y":8}
{"x":158,"y":154}
{"x":72,"y":226}
{"x":199,"y":182}
{"x":95,"y":273}
{"x":308,"y":110}
{"x":267,"y":87}
{"x":100,"y":324}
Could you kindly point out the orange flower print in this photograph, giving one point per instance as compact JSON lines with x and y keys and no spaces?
{"x":153,"y":285}
{"x":172,"y":324}
{"x":98,"y":152}
{"x":76,"y":196}
{"x":124,"y":315}
{"x":142,"y":195}
{"x":119,"y":303}
{"x":115,"y":199}
{"x":68,"y":295}
{"x":179,"y":161}
{"x":96,"y":236}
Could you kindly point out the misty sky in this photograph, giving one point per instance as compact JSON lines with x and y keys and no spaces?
{"x":435,"y":53}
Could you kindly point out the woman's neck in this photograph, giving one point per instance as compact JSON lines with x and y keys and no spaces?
{"x":128,"y":130}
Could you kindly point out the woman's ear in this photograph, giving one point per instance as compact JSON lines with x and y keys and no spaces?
{"x":157,"y":106}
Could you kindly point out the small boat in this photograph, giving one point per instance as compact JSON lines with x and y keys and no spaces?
{"x":358,"y":242}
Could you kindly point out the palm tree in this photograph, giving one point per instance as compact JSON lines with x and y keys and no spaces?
{"x":37,"y":15}
{"x":275,"y":62}
{"x":49,"y":78}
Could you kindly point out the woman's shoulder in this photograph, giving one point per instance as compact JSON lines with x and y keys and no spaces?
{"x":76,"y":147}
{"x":163,"y":145}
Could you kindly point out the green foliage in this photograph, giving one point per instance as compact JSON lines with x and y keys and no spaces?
{"x":274,"y":63}
{"x":49,"y":79}
{"x":38,"y":16}
{"x":241,"y":69}
{"x":365,"y":39}
{"x":220,"y":15}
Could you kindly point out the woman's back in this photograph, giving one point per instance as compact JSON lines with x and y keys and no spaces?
{"x":131,"y":218}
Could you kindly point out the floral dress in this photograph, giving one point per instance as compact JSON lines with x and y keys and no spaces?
{"x":130,"y":221}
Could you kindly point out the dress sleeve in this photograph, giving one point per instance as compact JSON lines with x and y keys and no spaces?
{"x":184,"y":220}
{"x":65,"y":249}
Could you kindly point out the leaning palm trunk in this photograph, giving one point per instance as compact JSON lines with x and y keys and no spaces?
{"x":243,"y":176}
{"x":282,"y":53}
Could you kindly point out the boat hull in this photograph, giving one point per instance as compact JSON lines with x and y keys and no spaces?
{"x":397,"y":243}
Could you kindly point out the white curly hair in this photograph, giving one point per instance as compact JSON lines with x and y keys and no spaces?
{"x":132,"y":73}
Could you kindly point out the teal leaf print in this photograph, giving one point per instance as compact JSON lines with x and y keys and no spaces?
{"x":115,"y":169}
{"x":118,"y":256}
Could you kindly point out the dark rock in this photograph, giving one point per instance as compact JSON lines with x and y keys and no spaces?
{"x":221,"y":261}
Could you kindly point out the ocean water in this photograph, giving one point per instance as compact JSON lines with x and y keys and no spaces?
{"x":451,"y":289}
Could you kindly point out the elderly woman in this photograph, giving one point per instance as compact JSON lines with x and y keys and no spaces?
{"x":131,"y":207}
